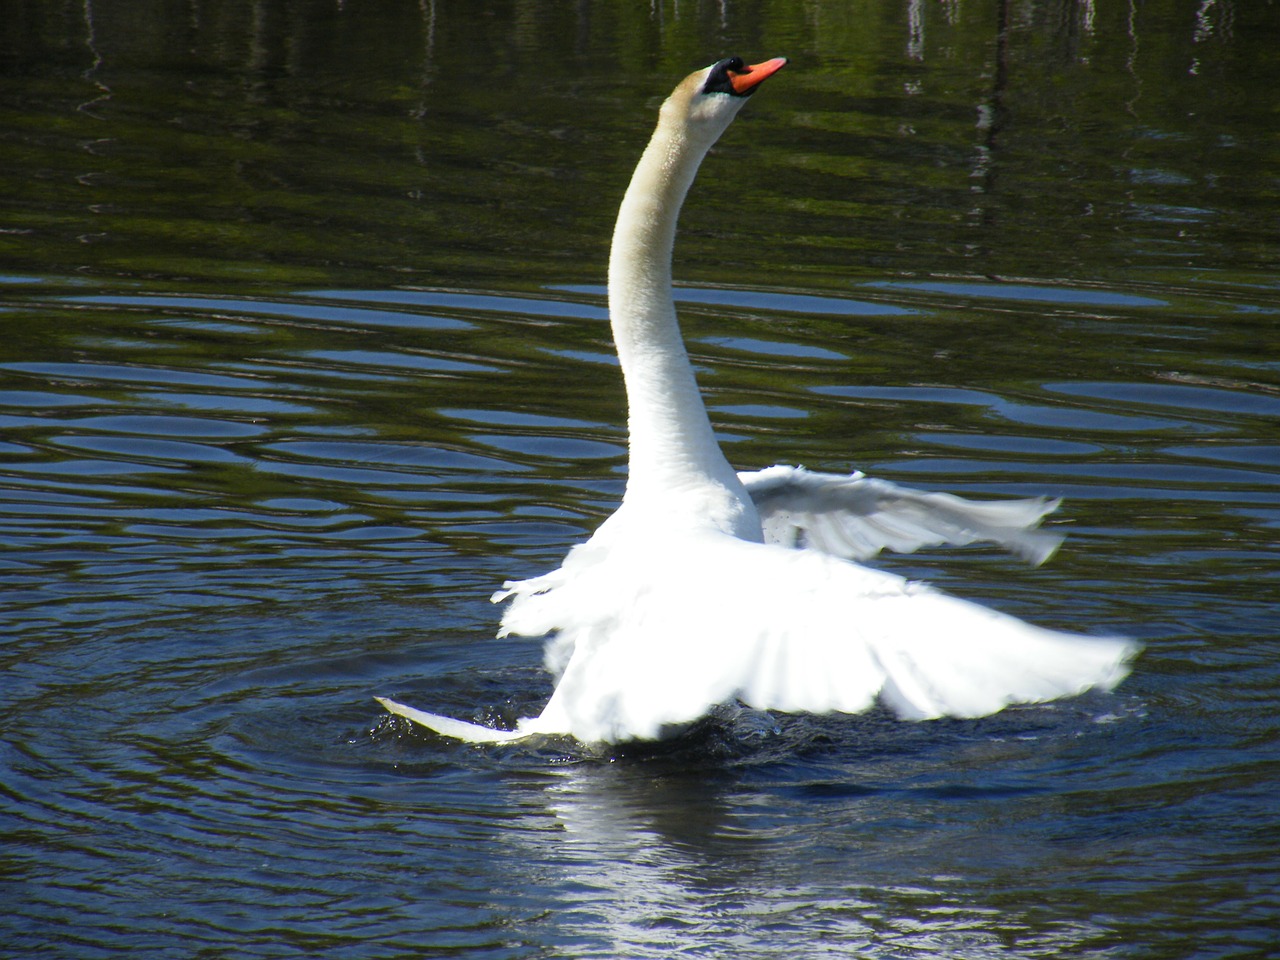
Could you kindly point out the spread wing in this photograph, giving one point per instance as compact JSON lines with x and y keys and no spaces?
{"x":856,"y":517}
{"x":651,"y":637}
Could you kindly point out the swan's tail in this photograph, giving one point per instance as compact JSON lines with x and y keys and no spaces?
{"x":448,"y":727}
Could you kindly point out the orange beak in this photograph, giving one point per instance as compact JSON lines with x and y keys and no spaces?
{"x":754,"y":75}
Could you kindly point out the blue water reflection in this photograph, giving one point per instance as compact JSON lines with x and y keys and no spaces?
{"x":1046,"y":293}
{"x":312,"y":521}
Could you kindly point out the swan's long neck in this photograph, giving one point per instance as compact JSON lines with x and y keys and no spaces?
{"x":672,"y":445}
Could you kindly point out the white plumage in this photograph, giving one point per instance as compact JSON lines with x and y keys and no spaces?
{"x":708,"y":586}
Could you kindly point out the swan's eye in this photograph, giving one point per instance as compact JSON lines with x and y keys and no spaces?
{"x":720,"y":79}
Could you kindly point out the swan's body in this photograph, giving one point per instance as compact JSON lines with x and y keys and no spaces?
{"x":708,"y":585}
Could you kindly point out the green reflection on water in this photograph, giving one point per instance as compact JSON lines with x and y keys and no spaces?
{"x":454,"y":142}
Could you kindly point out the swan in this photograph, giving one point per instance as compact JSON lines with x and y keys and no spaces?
{"x":708,"y":585}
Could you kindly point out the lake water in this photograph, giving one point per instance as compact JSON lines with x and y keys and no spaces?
{"x":304,"y":351}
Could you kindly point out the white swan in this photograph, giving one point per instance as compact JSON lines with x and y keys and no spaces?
{"x":708,"y":585}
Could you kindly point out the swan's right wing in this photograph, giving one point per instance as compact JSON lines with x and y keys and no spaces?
{"x":856,"y":517}
{"x":652,"y":637}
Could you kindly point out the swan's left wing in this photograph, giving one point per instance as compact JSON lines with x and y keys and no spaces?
{"x":856,"y":517}
{"x":449,"y":727}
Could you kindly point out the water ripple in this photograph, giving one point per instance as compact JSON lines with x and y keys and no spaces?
{"x":219,"y":549}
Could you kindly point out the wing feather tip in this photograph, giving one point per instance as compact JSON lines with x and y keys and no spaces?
{"x":449,"y":727}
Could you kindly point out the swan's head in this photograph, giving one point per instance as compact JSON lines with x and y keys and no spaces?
{"x":707,"y":101}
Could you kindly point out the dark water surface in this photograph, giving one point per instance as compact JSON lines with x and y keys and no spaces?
{"x":304,"y":351}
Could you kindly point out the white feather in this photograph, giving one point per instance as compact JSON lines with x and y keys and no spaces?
{"x":652,"y":635}
{"x":448,"y":727}
{"x":856,"y":517}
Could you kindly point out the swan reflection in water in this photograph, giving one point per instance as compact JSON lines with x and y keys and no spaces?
{"x":671,"y":845}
